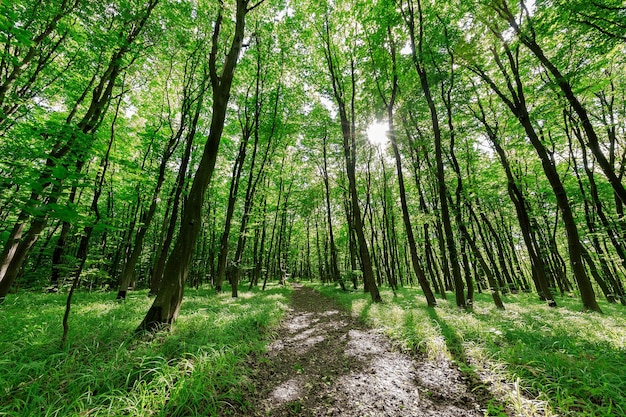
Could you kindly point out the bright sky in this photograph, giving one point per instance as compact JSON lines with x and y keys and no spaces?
{"x":377,"y":133}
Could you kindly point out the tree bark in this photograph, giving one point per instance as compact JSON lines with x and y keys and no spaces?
{"x":348,"y":130}
{"x":334,"y":266}
{"x":166,"y":305}
{"x":418,"y":61}
{"x":517,"y":105}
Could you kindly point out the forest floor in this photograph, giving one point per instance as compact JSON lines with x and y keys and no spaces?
{"x":324,"y":362}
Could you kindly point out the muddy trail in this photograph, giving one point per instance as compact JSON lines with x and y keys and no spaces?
{"x":323,"y":362}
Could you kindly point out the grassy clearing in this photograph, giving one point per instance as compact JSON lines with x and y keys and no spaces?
{"x":195,"y":369}
{"x":540,"y":360}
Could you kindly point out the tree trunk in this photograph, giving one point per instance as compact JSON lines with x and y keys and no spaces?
{"x":518,"y":107}
{"x":166,"y":305}
{"x":334,"y":266}
{"x":418,"y":61}
{"x":186,"y":118}
{"x":408,"y":227}
{"x":348,"y":129}
{"x":253,"y":180}
{"x":516,"y":195}
{"x":230,"y":210}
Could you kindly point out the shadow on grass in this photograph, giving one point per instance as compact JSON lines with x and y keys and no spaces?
{"x":455,"y":346}
{"x":194,"y":369}
{"x":571,"y":373}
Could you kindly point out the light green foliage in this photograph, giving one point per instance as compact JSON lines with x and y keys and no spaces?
{"x":195,"y":369}
{"x":558,"y":361}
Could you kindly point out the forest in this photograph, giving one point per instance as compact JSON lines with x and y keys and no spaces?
{"x":176,"y":176}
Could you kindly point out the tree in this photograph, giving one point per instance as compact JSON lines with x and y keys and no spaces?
{"x":389,"y":102}
{"x":516,"y":102}
{"x":71,"y":141}
{"x":416,"y":31}
{"x":345,"y":96}
{"x":166,"y":305}
{"x":528,"y":38}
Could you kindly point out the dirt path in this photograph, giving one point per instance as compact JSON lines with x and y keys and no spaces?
{"x":325,"y":363}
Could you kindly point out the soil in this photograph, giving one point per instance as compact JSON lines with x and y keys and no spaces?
{"x":323,"y":362}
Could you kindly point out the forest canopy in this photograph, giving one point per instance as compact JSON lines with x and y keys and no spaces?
{"x":460,"y":146}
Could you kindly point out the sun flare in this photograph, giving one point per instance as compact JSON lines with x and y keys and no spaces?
{"x":377,"y":133}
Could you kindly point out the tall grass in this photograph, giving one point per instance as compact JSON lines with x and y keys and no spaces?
{"x":197,"y":368}
{"x":538,"y":360}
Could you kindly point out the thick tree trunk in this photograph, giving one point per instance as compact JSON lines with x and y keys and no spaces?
{"x":166,"y":305}
{"x":186,"y":118}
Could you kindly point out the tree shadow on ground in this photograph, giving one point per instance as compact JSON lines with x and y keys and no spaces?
{"x":324,"y":361}
{"x":570,"y":371}
{"x":455,"y":346}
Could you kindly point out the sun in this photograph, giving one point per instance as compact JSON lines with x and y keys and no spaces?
{"x":377,"y":133}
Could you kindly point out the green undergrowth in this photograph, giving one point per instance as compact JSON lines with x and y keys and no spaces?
{"x":196,"y":368}
{"x":537,"y":360}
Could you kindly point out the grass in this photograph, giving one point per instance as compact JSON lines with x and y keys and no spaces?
{"x":197,"y":368}
{"x":537,"y":360}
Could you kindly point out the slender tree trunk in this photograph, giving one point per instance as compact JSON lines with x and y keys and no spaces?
{"x":334,"y":266}
{"x":83,"y":247}
{"x":418,"y":61}
{"x":517,"y":105}
{"x":230,"y":210}
{"x":516,"y":195}
{"x":348,"y":130}
{"x":258,"y":255}
{"x":408,"y":227}
{"x":158,"y":268}
{"x":430,"y":257}
{"x":59,"y":248}
{"x":493,"y":283}
{"x":254,"y":179}
{"x":352,"y":251}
